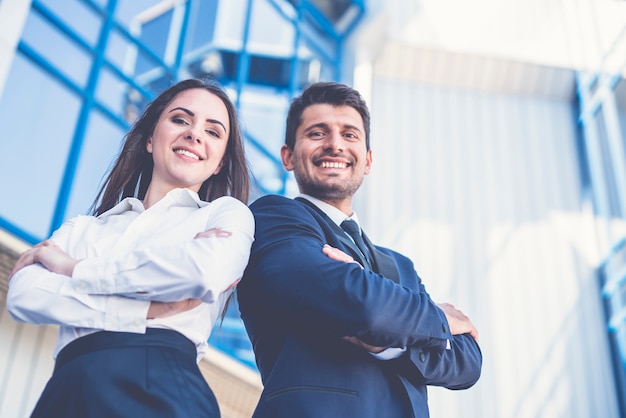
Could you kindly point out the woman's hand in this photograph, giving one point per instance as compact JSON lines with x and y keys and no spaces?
{"x":336,"y":254}
{"x":49,"y":255}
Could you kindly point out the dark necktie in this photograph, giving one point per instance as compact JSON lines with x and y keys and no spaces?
{"x":352,"y":228}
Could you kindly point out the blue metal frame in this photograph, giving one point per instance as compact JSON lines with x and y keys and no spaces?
{"x":612,"y":286}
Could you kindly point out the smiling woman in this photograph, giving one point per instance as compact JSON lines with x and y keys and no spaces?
{"x":137,"y":287}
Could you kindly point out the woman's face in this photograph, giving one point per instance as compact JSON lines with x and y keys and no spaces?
{"x":189,"y":140}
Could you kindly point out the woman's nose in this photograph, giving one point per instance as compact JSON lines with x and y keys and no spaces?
{"x":192,"y":135}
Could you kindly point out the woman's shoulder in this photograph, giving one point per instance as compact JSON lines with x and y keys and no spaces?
{"x":228,"y":202}
{"x":228,"y":207}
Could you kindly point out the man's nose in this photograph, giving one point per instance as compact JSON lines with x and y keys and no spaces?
{"x":334,"y":141}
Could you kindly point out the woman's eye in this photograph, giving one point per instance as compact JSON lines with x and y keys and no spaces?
{"x":213,"y":133}
{"x":179,"y":121}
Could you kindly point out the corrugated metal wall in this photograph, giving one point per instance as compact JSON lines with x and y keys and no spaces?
{"x":482,"y":190}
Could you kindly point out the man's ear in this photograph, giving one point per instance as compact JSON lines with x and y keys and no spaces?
{"x":149,"y":145}
{"x":286,"y":155}
{"x":368,"y":161}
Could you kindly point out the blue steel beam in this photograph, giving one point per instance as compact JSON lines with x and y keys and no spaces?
{"x":81,"y":127}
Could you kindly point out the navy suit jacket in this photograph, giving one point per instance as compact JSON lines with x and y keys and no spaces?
{"x":297,"y":304}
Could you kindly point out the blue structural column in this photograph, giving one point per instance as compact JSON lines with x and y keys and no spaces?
{"x":81,"y":126}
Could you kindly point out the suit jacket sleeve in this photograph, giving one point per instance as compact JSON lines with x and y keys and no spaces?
{"x":290,"y":275}
{"x":458,"y":367}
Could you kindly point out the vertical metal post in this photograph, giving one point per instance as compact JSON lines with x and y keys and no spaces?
{"x":81,"y":126}
{"x":244,"y":57}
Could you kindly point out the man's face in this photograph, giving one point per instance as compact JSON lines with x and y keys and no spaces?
{"x":330,"y":157}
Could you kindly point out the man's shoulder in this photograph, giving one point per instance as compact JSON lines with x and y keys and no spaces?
{"x":273,"y":202}
{"x":394,"y":254}
{"x":271,"y":199}
{"x":274,"y":209}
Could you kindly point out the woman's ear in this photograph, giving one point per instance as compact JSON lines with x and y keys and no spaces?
{"x":219,"y":167}
{"x":149,"y":145}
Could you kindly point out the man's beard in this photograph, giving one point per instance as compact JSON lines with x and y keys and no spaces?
{"x":327,"y":192}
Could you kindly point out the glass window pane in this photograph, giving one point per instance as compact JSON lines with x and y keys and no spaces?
{"x":111,"y":92}
{"x":201,"y":25}
{"x":620,"y":100}
{"x":128,"y":12}
{"x":38,"y":117}
{"x":101,"y":145}
{"x":60,"y":51}
{"x":155,"y":33}
{"x":78,"y":16}
{"x":607,"y":166}
{"x":121,"y":52}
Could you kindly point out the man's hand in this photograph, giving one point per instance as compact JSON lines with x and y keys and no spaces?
{"x":165,"y":309}
{"x":49,"y":255}
{"x":366,"y":347}
{"x":214,"y":232}
{"x":459,"y":323}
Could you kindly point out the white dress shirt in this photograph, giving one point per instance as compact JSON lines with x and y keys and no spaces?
{"x":131,"y":256}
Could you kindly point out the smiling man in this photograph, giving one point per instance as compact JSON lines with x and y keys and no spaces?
{"x":341,"y":327}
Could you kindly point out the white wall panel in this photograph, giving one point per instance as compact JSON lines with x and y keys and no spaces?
{"x":26,"y":363}
{"x":481,"y":189}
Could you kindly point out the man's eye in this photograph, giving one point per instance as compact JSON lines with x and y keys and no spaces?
{"x":316,"y":134}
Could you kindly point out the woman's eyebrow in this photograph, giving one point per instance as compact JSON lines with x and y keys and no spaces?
{"x":187,"y":111}
{"x":190,"y":113}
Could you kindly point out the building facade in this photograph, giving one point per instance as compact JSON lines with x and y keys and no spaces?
{"x":499,"y":163}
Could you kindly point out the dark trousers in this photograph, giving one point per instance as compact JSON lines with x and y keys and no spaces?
{"x":118,"y":374}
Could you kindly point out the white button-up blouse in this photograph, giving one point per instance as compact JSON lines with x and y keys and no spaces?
{"x":131,"y":256}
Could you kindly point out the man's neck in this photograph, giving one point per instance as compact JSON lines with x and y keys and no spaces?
{"x":344,"y":205}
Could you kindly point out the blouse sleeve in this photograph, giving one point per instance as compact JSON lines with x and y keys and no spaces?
{"x":39,"y":296}
{"x":197,"y":268}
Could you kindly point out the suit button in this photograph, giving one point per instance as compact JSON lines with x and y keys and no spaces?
{"x":422,"y":357}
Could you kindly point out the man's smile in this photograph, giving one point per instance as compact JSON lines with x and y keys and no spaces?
{"x":332,"y":164}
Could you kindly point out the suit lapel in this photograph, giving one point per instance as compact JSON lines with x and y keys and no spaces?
{"x":383,"y":264}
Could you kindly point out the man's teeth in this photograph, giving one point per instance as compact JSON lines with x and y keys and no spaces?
{"x":187,"y":153}
{"x":327,"y":164}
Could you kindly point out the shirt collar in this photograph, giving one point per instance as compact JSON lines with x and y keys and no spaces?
{"x":176,"y":197}
{"x":332,"y":212}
